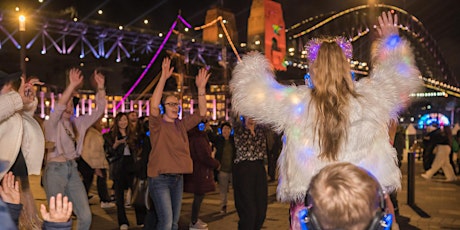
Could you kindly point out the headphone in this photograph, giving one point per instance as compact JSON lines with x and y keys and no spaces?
{"x":380,"y":221}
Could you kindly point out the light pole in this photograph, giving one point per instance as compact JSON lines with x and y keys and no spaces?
{"x":22,"y":51}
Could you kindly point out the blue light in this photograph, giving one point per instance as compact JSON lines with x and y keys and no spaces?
{"x":148,"y":133}
{"x":393,"y":41}
{"x":201,"y":126}
{"x":308,"y":80}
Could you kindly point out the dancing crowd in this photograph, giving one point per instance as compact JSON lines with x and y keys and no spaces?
{"x":332,"y":140}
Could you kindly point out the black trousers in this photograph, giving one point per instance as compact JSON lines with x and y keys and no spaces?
{"x":88,"y":174}
{"x":123,"y":180}
{"x":250,"y":193}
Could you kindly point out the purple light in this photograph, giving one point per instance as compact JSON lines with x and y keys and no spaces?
{"x":148,"y":66}
{"x":183,"y":21}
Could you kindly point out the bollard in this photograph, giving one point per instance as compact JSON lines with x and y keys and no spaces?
{"x":410,"y":178}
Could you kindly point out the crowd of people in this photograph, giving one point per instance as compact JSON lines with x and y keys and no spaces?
{"x":328,"y":129}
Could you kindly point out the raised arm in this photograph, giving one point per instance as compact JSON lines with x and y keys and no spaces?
{"x":87,"y":120}
{"x":394,"y":76}
{"x":200,"y":81}
{"x":256,"y":94}
{"x":155,"y":100}
{"x":75,"y":79}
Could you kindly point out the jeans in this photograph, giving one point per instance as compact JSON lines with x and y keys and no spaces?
{"x":166,"y":193}
{"x":63,"y":177}
{"x":225,"y":179}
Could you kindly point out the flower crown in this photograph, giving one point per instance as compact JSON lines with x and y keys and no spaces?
{"x":314,"y":44}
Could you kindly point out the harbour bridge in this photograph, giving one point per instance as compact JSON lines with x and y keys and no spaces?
{"x":47,"y":36}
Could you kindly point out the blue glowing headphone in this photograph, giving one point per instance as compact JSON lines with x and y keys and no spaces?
{"x":381,"y":220}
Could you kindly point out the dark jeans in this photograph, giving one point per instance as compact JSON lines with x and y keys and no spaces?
{"x":123,"y":180}
{"x":197,"y":200}
{"x":250,"y":193}
{"x":88,"y":174}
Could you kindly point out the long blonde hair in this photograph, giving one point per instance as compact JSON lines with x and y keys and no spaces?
{"x":333,"y":87}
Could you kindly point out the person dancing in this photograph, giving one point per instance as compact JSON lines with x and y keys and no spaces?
{"x":334,"y":119}
{"x":170,"y":157}
{"x":67,"y":134}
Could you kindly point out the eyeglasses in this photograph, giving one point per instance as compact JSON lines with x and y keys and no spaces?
{"x":172,"y":104}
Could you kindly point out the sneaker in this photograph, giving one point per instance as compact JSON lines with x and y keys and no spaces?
{"x":124,"y":227}
{"x":107,"y":205}
{"x":425,"y":176}
{"x":198,"y":225}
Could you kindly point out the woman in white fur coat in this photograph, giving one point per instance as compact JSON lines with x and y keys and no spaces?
{"x":336,"y":119}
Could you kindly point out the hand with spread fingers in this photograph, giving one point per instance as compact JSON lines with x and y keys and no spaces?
{"x":166,"y":69}
{"x":60,"y":209}
{"x":388,"y":24}
{"x":100,"y":79}
{"x":75,"y":77}
{"x":202,"y":78}
{"x":9,"y":191}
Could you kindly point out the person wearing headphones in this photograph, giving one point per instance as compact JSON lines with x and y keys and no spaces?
{"x":345,"y":196}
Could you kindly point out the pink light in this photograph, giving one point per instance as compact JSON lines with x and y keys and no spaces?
{"x":191,"y":106}
{"x":83,"y":109}
{"x":147,"y":108}
{"x":148,"y":66}
{"x":114,"y":109}
{"x":42,"y":104}
{"x":214,"y":109}
{"x":90,"y":106}
{"x":183,"y":21}
{"x":139,"y":108}
{"x":52,"y":101}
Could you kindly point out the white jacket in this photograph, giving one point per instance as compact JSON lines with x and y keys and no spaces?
{"x":287,"y":108}
{"x":19,"y":130}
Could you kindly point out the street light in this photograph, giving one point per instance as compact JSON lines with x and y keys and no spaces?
{"x":22,"y":23}
{"x":22,"y":51}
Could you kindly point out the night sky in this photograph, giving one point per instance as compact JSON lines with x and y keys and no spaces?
{"x":439,"y":17}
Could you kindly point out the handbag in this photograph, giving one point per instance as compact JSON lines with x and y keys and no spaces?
{"x":141,"y":194}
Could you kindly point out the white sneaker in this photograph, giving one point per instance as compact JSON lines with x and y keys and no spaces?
{"x":107,"y":205}
{"x":124,"y":227}
{"x":199,"y":225}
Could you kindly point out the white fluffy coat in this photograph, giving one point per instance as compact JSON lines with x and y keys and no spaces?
{"x":287,"y":108}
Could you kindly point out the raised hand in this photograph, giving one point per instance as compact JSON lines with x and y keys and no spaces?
{"x":75,"y":77}
{"x":388,"y":24}
{"x":99,"y":78}
{"x":60,"y":209}
{"x":9,"y":191}
{"x":202,"y":78}
{"x":24,"y":92}
{"x":166,"y":69}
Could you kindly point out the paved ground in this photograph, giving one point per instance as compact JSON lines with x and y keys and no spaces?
{"x":441,"y":201}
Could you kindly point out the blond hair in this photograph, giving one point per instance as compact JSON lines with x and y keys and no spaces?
{"x":333,"y":87}
{"x":344,"y":196}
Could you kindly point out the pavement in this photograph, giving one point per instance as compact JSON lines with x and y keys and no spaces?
{"x":439,"y":200}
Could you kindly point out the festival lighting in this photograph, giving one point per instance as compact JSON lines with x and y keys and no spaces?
{"x":148,"y":66}
{"x":22,"y":23}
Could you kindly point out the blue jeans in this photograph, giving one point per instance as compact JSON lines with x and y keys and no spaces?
{"x":63,"y":177}
{"x":166,"y":193}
